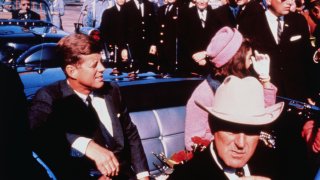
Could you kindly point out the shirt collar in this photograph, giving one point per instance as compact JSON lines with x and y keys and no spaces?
{"x":230,"y":172}
{"x":118,"y":7}
{"x":273,"y":17}
{"x":82,"y":96}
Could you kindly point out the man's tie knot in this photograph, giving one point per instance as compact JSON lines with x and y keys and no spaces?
{"x":239,"y":172}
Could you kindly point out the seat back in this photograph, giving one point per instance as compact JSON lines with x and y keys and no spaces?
{"x":157,"y":108}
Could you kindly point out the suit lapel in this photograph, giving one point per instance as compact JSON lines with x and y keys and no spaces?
{"x":116,"y":124}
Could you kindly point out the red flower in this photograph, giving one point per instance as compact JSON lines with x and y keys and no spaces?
{"x":199,"y":141}
{"x":181,"y":156}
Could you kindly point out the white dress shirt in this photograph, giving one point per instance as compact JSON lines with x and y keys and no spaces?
{"x":80,"y":144}
{"x":273,"y":24}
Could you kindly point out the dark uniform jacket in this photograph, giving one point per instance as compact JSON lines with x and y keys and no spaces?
{"x":140,"y":32}
{"x":167,"y":40}
{"x":194,"y":38}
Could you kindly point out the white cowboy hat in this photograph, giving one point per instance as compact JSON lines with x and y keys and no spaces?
{"x":241,"y":101}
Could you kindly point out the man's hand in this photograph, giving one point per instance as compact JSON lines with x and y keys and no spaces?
{"x":261,"y":64}
{"x":124,"y":55}
{"x":153,"y":50}
{"x":312,"y":139}
{"x":104,"y":159}
{"x":200,"y":57}
{"x":144,"y":178}
{"x":254,"y":178}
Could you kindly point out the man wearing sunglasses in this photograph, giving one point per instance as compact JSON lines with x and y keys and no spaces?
{"x":284,"y":36}
{"x":25,"y":12}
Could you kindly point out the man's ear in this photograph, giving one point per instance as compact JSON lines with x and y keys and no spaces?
{"x":71,"y":71}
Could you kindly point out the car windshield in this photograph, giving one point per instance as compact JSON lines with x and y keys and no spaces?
{"x":24,"y":10}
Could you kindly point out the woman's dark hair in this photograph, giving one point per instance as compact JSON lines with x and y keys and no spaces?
{"x":236,"y":65}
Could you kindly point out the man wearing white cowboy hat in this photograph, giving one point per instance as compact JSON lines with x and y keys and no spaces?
{"x":238,"y":115}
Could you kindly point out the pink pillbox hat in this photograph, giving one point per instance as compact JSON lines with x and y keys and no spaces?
{"x":224,"y":45}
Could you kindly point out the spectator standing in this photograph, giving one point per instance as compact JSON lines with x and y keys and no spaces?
{"x":167,"y":23}
{"x":57,"y":10}
{"x":92,"y":11}
{"x":140,"y":33}
{"x":112,"y":30}
{"x":195,"y":38}
{"x":284,"y":36}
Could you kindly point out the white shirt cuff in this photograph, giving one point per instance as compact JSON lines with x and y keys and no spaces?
{"x":142,"y":174}
{"x":79,"y":146}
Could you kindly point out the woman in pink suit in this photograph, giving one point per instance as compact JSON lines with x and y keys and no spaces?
{"x":229,"y":54}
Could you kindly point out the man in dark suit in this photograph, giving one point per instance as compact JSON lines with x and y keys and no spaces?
{"x":112,"y":30}
{"x":236,"y":120}
{"x":167,"y":22}
{"x":25,"y":12}
{"x":195,"y":38}
{"x":235,"y":11}
{"x":284,"y":36}
{"x":140,"y":33}
{"x":80,"y":126}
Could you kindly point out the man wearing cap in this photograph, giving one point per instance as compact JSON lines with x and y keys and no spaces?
{"x":236,"y":120}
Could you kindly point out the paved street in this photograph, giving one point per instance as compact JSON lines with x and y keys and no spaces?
{"x":71,"y":16}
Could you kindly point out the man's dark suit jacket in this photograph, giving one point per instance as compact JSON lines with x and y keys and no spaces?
{"x":57,"y":112}
{"x":203,"y":166}
{"x":194,"y":38}
{"x":290,"y":71}
{"x":291,"y":59}
{"x":224,"y":16}
{"x":112,"y":27}
{"x":167,"y":37}
{"x":30,"y":15}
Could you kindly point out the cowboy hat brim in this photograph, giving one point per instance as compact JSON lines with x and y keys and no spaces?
{"x":271,"y":114}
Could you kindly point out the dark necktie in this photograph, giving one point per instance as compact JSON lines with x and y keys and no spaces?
{"x":110,"y":143}
{"x":279,"y":30}
{"x":202,"y":18}
{"x":167,"y":9}
{"x":239,"y":172}
{"x":235,"y":11}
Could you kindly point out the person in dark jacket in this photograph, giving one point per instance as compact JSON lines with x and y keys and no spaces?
{"x":236,"y":119}
{"x":79,"y":125}
{"x":25,"y":12}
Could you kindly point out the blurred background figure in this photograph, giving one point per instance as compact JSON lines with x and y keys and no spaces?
{"x":167,"y":21}
{"x":140,"y":33}
{"x":7,"y":6}
{"x":57,"y":10}
{"x":24,"y":12}
{"x":92,"y":11}
{"x":112,"y":30}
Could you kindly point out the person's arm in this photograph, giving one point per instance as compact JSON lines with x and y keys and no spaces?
{"x":196,"y":122}
{"x":138,"y":157}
